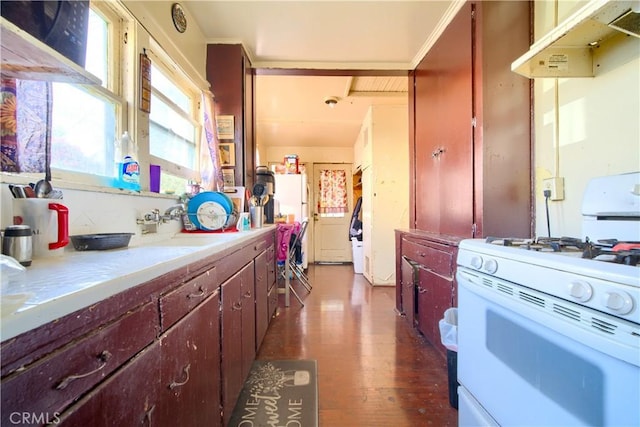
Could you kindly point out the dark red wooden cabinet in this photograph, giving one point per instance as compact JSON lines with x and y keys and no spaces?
{"x":471,"y":126}
{"x":176,"y":378}
{"x":173,"y":350}
{"x":408,"y":288}
{"x":426,"y":295}
{"x":232,"y":80}
{"x":470,"y":151}
{"x":231,"y":343}
{"x":52,"y":384}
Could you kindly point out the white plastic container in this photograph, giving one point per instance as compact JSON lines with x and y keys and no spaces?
{"x":358,"y":256}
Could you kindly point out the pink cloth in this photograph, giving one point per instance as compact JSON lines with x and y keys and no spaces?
{"x":283,"y":238}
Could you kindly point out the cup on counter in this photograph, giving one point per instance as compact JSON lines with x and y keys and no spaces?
{"x":243,"y":222}
{"x":17,"y":243}
{"x":257,"y":216}
{"x":49,"y":223}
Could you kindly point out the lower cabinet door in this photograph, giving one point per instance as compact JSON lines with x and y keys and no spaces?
{"x":175,"y":381}
{"x":190,"y":369}
{"x":130,"y":397}
{"x":434,"y":297}
{"x":408,"y":291}
{"x":248,"y":319}
{"x":261,"y":297}
{"x":231,"y":344}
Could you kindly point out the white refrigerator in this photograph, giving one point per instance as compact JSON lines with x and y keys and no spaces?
{"x":292,"y":197}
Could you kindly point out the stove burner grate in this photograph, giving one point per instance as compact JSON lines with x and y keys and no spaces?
{"x":610,"y":250}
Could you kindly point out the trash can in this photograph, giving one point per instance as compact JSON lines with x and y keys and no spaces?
{"x":449,"y":337}
{"x":358,"y":257}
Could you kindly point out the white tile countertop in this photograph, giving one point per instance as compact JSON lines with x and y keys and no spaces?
{"x":54,"y":287}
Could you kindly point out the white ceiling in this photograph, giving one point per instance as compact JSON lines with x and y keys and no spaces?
{"x":323,"y":35}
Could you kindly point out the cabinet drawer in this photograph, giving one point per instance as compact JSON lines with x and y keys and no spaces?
{"x":179,"y":302}
{"x":53,"y":383}
{"x":435,"y":259}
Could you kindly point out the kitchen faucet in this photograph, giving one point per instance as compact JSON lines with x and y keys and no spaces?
{"x":174,"y":212}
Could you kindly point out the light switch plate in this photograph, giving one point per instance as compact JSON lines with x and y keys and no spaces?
{"x":556,"y":186}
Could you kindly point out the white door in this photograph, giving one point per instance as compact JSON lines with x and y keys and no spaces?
{"x":331,"y":229}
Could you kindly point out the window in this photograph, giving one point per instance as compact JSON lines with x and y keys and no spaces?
{"x":173,"y":124}
{"x":85,"y":120}
{"x":172,"y":130}
{"x":333,"y":193}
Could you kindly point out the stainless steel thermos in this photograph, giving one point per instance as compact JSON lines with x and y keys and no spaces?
{"x":17,"y":242}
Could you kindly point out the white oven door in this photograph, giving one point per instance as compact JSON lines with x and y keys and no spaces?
{"x":523,"y":359}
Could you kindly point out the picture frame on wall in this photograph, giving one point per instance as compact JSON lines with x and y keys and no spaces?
{"x":225,"y":127}
{"x":227,"y":154}
{"x":145,"y":83}
{"x":229,"y":177}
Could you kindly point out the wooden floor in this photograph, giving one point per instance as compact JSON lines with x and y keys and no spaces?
{"x":373,"y":370}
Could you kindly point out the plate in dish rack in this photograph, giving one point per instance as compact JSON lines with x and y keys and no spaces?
{"x":211,"y":216}
{"x":207,"y":211}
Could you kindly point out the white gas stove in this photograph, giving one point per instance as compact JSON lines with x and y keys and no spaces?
{"x":599,"y":270}
{"x":556,"y":319}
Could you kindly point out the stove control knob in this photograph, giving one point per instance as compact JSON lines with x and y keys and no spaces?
{"x":580,"y":291}
{"x":476,"y":262}
{"x":618,"y":301}
{"x":491,"y":266}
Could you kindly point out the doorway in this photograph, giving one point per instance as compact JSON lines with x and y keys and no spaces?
{"x":332,"y":184}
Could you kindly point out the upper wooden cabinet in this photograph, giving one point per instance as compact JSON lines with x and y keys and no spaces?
{"x":470,"y":154}
{"x":232,"y":82}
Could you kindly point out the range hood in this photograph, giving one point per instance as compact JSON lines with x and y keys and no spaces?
{"x":567,"y":50}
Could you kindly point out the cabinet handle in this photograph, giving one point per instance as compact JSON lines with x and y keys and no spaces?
{"x":437,"y":152}
{"x":147,"y":415}
{"x":198,"y":295}
{"x":178,"y":384}
{"x":247,"y":294}
{"x":103,"y":357}
{"x":422,"y":254}
{"x":421,"y":290}
{"x":236,"y":306}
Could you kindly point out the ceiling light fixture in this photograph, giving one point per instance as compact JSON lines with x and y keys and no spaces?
{"x":331,"y":101}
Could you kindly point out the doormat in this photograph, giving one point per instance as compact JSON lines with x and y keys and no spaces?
{"x":278,"y":393}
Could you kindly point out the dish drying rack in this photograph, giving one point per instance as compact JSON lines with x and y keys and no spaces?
{"x":230,"y":221}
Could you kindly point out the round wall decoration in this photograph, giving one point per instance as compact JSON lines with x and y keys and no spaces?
{"x":179,"y":18}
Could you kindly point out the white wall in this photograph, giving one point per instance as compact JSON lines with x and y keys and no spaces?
{"x":599,"y":130}
{"x":188,"y":49}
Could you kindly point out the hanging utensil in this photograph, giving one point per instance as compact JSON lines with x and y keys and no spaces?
{"x":259,"y":189}
{"x":18,"y":191}
{"x":43,"y":187}
{"x":28,"y":191}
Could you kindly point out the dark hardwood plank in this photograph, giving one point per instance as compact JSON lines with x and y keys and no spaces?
{"x":373,"y":369}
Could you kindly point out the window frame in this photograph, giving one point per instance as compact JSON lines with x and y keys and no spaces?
{"x":113,"y":90}
{"x":170,"y":69}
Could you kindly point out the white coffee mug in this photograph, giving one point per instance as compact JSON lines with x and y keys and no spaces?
{"x":49,"y":222}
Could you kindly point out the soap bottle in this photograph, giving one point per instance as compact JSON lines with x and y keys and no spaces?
{"x":130,"y":170}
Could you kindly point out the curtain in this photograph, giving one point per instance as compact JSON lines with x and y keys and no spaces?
{"x":210,"y":170}
{"x":333,"y":191}
{"x":25,"y":132}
